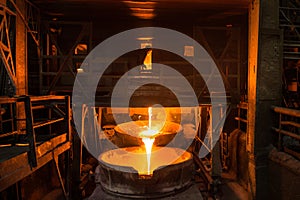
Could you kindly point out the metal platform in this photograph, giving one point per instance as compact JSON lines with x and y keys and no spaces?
{"x":16,"y":167}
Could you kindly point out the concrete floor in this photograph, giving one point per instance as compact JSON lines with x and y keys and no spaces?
{"x":56,"y":194}
{"x":231,"y":189}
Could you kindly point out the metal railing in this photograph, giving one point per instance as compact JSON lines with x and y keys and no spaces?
{"x":39,"y":126}
{"x":242,"y":116}
{"x":7,"y":118}
{"x":57,"y":109}
{"x":289,"y":128}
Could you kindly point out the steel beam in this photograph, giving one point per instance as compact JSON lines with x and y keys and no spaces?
{"x":21,"y":60}
{"x":30,"y":133}
{"x":68,"y":57}
{"x":5,"y":44}
{"x":21,"y":50}
{"x":264,"y":90}
{"x":20,"y":7}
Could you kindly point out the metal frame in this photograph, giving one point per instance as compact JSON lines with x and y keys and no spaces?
{"x":31,"y":20}
{"x":10,"y":103}
{"x":291,"y":50}
{"x":209,"y":167}
{"x":5,"y":43}
{"x":288,"y":118}
{"x":39,"y":155}
{"x":222,"y":60}
{"x":62,"y":60}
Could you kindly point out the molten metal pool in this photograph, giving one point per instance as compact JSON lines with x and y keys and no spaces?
{"x":125,"y":171}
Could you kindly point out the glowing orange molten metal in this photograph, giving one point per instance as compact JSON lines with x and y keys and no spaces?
{"x":148,"y":145}
{"x":148,"y":141}
{"x":148,"y":157}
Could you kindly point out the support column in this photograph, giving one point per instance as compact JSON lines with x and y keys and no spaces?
{"x":21,"y":60}
{"x":264,"y":90}
{"x":21,"y":51}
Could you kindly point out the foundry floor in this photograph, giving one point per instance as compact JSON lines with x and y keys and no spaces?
{"x":192,"y":193}
{"x":230,"y":189}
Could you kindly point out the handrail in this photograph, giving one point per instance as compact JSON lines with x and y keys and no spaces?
{"x":8,"y":134}
{"x":54,"y":114}
{"x":46,"y":98}
{"x":7,"y":116}
{"x":242,"y":106}
{"x":281,"y":130}
{"x":31,"y":104}
{"x":286,"y":111}
{"x":7,"y":100}
{"x":289,"y":8}
{"x":48,"y":122}
{"x":293,"y":135}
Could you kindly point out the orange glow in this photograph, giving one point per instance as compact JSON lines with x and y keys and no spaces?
{"x":146,"y":158}
{"x":144,"y":4}
{"x":148,"y":61}
{"x":144,"y":15}
{"x":148,"y":133}
{"x":148,"y":141}
{"x":141,"y":9}
{"x":140,"y":129}
{"x":150,"y":117}
{"x":134,"y":157}
{"x":148,"y":145}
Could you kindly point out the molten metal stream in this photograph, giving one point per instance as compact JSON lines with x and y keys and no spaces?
{"x":148,"y":142}
{"x":148,"y":145}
